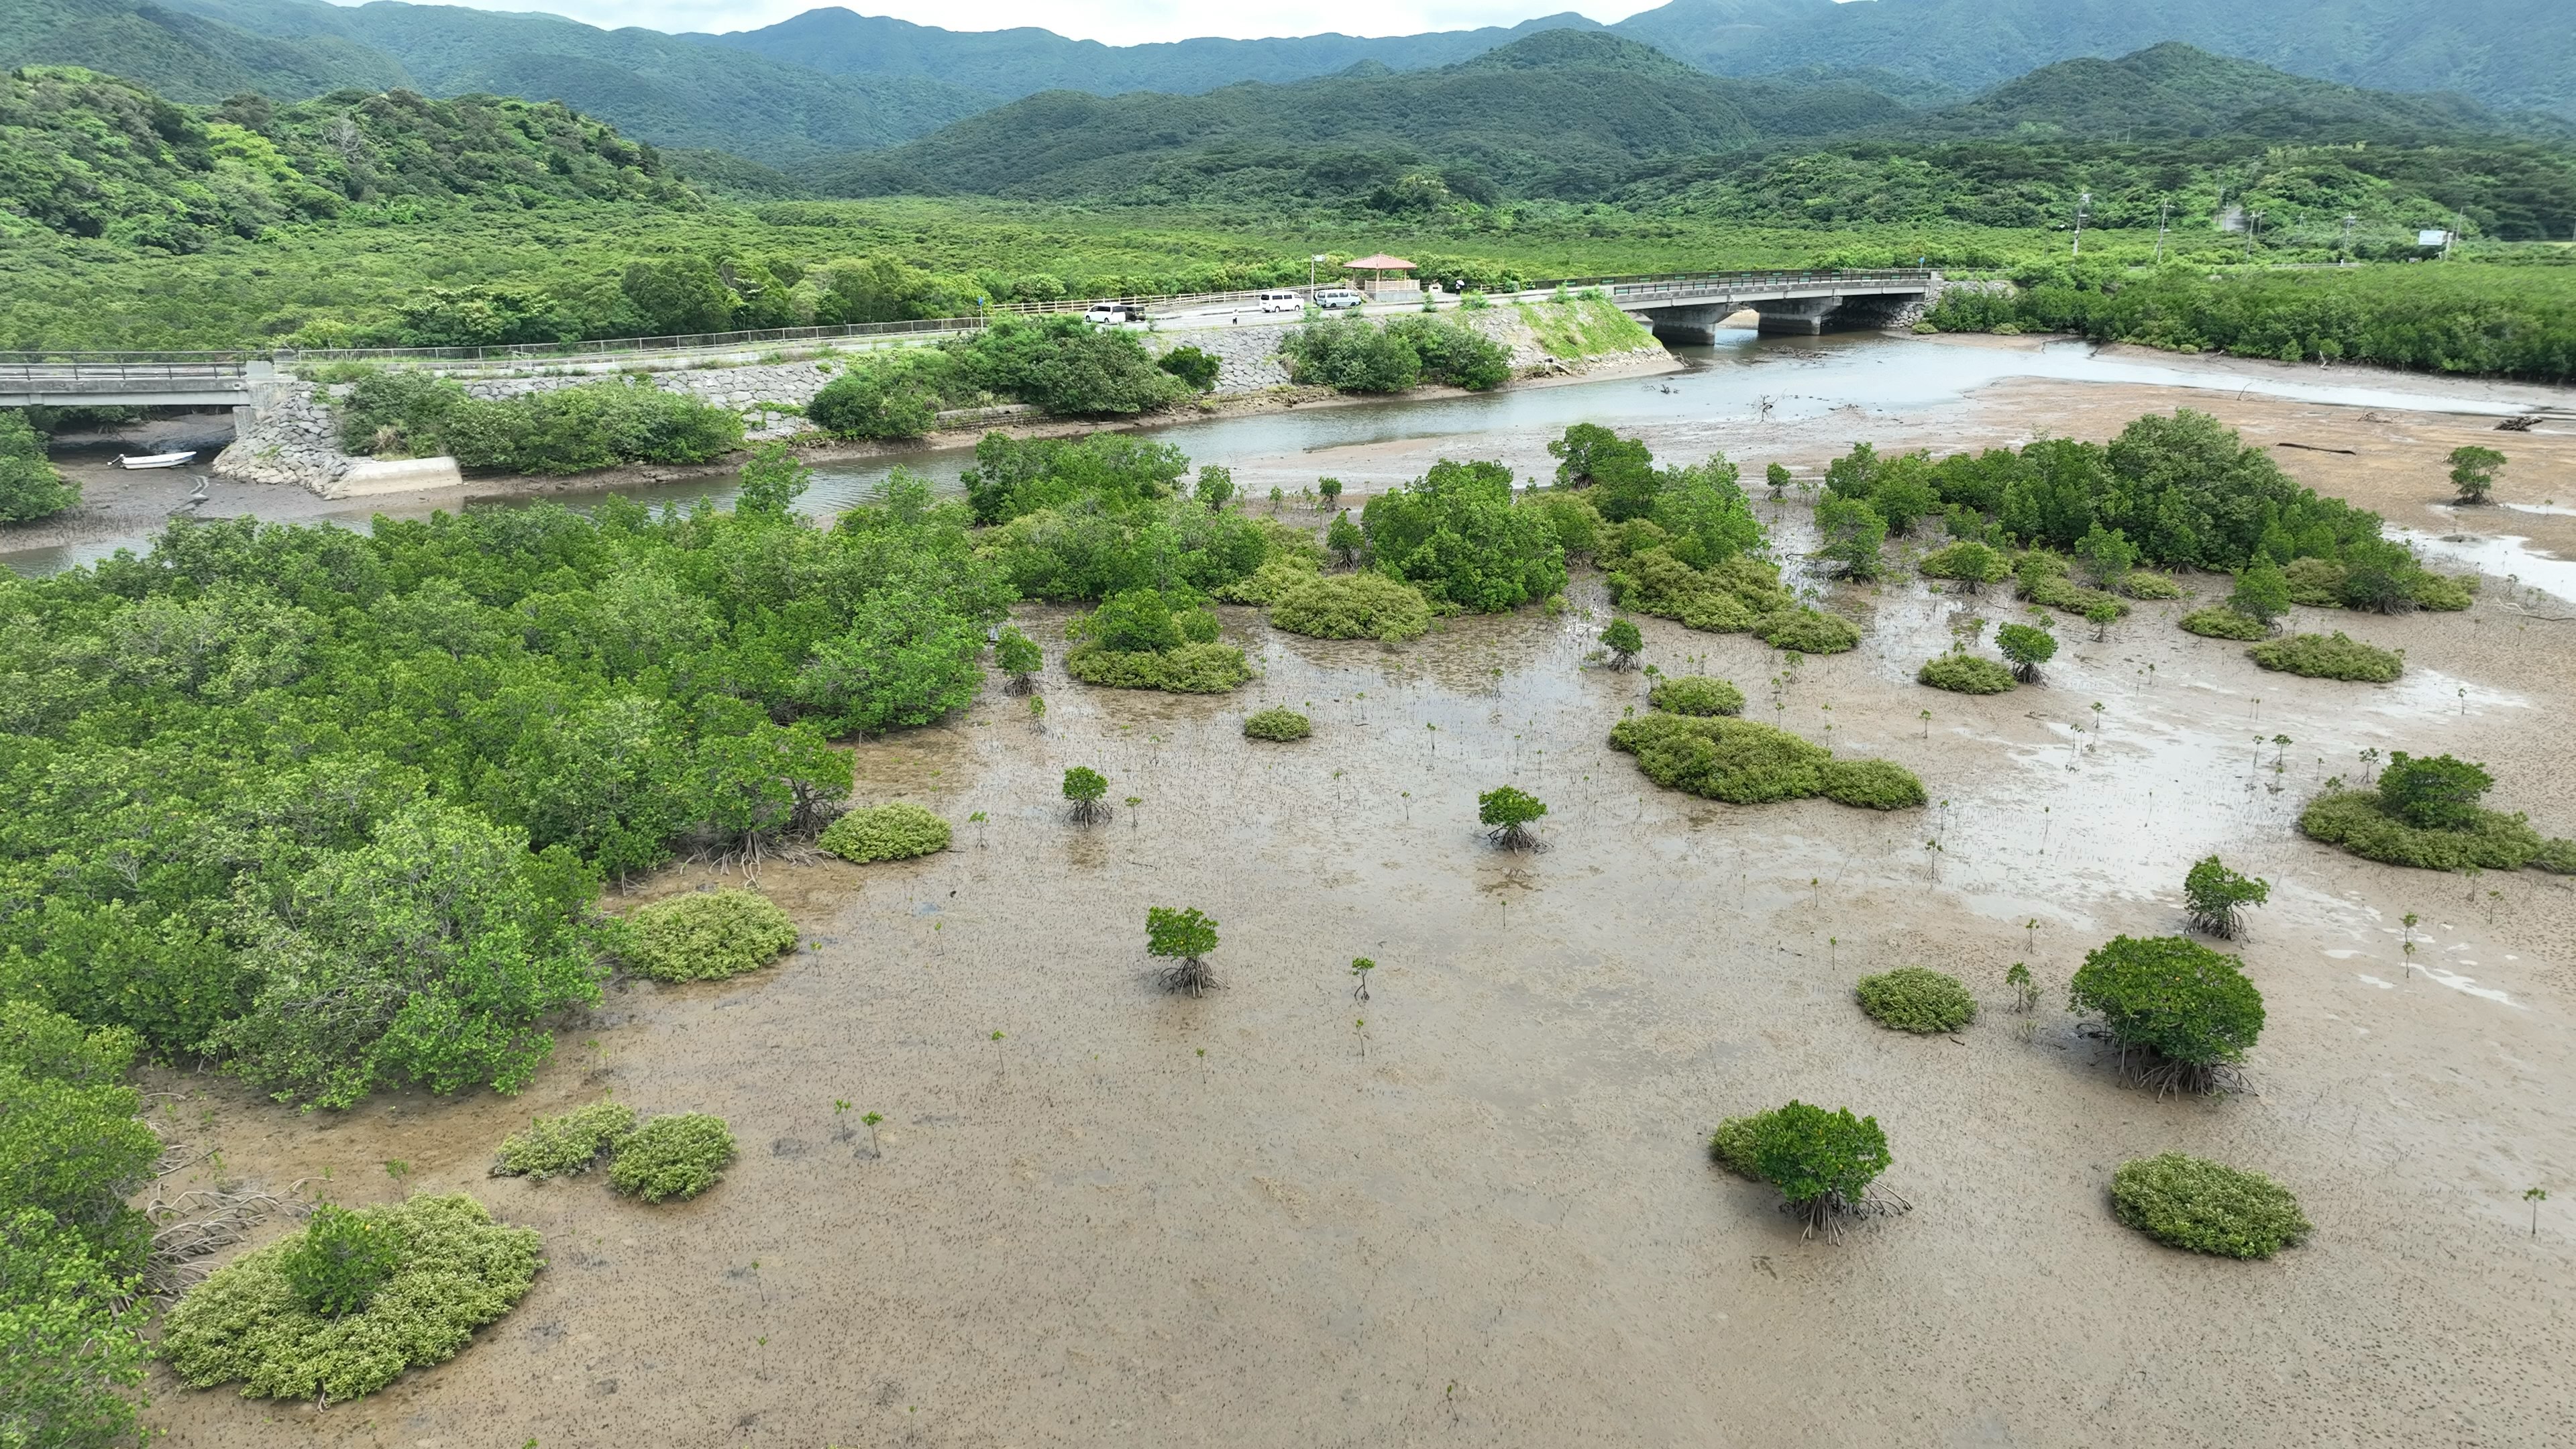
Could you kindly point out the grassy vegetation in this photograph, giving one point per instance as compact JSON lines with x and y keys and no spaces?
{"x":706,"y":936}
{"x":2318,"y":656}
{"x":2207,"y":1207}
{"x":565,"y":1145}
{"x":2361,"y":822}
{"x":896,"y":830}
{"x":2221,"y":622}
{"x":1696,"y":695}
{"x":1365,"y":605}
{"x":1744,"y":763}
{"x":1963,"y":673}
{"x":671,"y":1157}
{"x":1582,"y":325}
{"x":1808,"y":631}
{"x":1916,"y":999}
{"x":1280,"y":725}
{"x":458,"y":1271}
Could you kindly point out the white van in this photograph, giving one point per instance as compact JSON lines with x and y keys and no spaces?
{"x":1282,"y":302}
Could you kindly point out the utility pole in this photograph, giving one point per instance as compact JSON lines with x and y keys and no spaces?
{"x":2162,"y":213}
{"x":2253,"y":224}
{"x":1311,"y":263}
{"x":2348,"y":220}
{"x":2082,"y":200}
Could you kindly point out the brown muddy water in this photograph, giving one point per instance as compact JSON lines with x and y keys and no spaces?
{"x":1477,"y":1207}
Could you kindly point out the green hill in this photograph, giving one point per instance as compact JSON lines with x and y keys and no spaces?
{"x":1027,"y":60}
{"x":91,"y":156}
{"x":657,"y":87}
{"x":1562,"y":112}
{"x":2173,"y":90}
{"x":2515,"y":54}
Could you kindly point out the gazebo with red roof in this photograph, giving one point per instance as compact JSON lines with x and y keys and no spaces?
{"x":1377,"y":267}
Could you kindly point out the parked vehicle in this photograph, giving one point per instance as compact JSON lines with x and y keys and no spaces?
{"x":1114,"y":312}
{"x":1283,"y":302}
{"x":1334,"y":298}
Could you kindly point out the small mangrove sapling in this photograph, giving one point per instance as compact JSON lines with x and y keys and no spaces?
{"x":1184,"y":938}
{"x":2216,"y":897}
{"x":1507,"y":814}
{"x":1085,"y":787}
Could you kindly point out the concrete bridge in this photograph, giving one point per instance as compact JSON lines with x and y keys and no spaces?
{"x":1690,"y":308}
{"x":1680,"y":308}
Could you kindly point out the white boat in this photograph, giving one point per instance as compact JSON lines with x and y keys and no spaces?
{"x":152,"y":460}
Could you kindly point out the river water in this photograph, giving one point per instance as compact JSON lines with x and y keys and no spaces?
{"x":1785,"y":379}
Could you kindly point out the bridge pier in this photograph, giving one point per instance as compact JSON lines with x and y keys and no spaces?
{"x":1796,"y":316}
{"x":1690,"y":326}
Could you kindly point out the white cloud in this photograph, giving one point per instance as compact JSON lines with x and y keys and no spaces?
{"x":1116,"y":22}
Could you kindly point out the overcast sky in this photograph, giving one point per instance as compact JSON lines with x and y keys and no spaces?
{"x":1117,"y":22}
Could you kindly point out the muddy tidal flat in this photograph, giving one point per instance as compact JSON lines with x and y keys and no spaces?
{"x":1477,"y":1207}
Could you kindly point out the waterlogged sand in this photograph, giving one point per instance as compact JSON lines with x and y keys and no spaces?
{"x":1477,"y":1207}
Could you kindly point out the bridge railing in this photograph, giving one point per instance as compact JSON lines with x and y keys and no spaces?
{"x":111,"y":373}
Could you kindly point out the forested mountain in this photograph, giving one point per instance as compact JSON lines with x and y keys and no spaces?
{"x":91,"y":156}
{"x":2173,"y":90}
{"x":2518,"y":54}
{"x":657,"y":87}
{"x":1562,"y":112}
{"x":1027,"y":60}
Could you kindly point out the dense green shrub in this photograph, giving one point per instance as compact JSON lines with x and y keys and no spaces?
{"x":1354,"y":354}
{"x":2320,"y":657}
{"x":1869,"y":784}
{"x":2262,"y":593}
{"x":2557,"y":856}
{"x":2189,"y":1010}
{"x":707,"y":935}
{"x":894,"y":393}
{"x":1265,"y":584}
{"x":1851,"y":536}
{"x":30,"y":488}
{"x":2361,"y":822}
{"x":2142,"y":584}
{"x":2314,"y":582}
{"x":1916,"y":999}
{"x":1507,"y":813}
{"x":1696,"y":695}
{"x":1822,"y":1162}
{"x":2206,"y":1207}
{"x":72,"y":1353}
{"x":1146,"y":639}
{"x":2216,"y":897}
{"x":2434,"y":792}
{"x":1065,"y":366}
{"x":1278,"y":725}
{"x":564,"y":1145}
{"x":2221,"y":622}
{"x":1351,"y":606}
{"x":1967,"y":561}
{"x":2028,"y":647}
{"x":906,"y":658}
{"x":584,"y":428}
{"x":1454,"y":533}
{"x":1731,"y":1146}
{"x":1111,"y":472}
{"x":1191,"y":365}
{"x":1964,"y":673}
{"x":1729,"y":597}
{"x":395,"y":410}
{"x":678,"y":1155}
{"x":896,"y":830}
{"x":335,"y":1266}
{"x":1746,"y":763}
{"x":1018,"y":656}
{"x":459,"y":1271}
{"x":1809,"y":631}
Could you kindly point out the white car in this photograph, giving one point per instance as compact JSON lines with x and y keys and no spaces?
{"x":1282,"y":302}
{"x":1114,"y":312}
{"x":1335,"y":298}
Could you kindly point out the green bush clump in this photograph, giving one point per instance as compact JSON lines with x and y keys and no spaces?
{"x":1148,"y":639}
{"x":1870,"y":784}
{"x":2145,"y":584}
{"x":896,"y":830}
{"x":1265,"y":584}
{"x":1192,"y":365}
{"x":1743,"y":762}
{"x":1809,"y":631}
{"x":1351,"y":606}
{"x":1696,"y":695}
{"x":2207,"y":1207}
{"x":1967,"y":561}
{"x":1725,"y":598}
{"x":2318,"y":656}
{"x":30,"y":488}
{"x":1963,"y":673}
{"x":895,"y":393}
{"x":1731,"y":1146}
{"x":2187,"y":1009}
{"x":1280,"y":725}
{"x":1352,"y":354}
{"x":2315,"y":582}
{"x":1454,"y":534}
{"x":2221,"y":622}
{"x":675,"y":1156}
{"x":1916,"y":999}
{"x":2360,"y":822}
{"x":587,"y":427}
{"x":341,"y":1258}
{"x":566,"y":1145}
{"x":2558,"y":857}
{"x":2445,"y":593}
{"x":706,"y":936}
{"x":459,"y":1271}
{"x":1822,"y":1162}
{"x":2042,"y":579}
